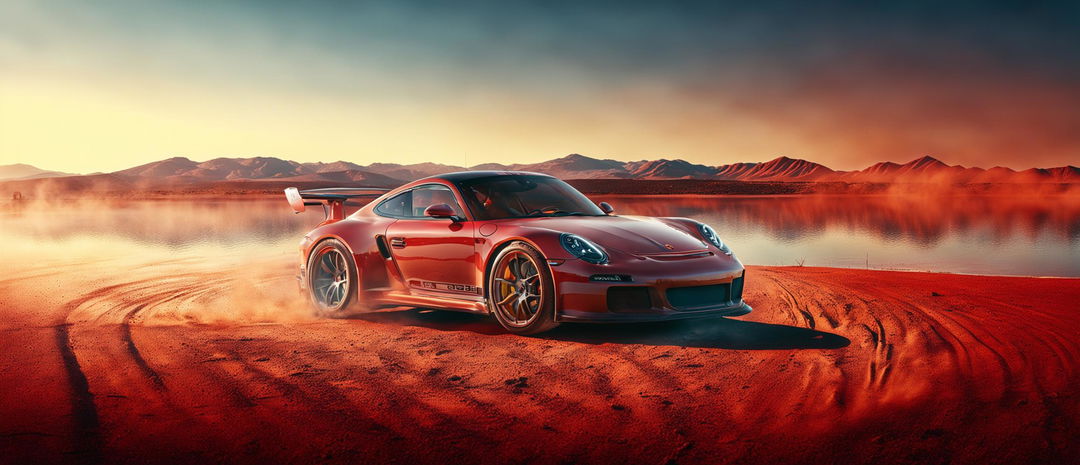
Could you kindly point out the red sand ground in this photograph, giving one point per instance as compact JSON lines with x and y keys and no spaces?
{"x":833,"y":366}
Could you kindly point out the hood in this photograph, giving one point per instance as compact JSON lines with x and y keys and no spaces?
{"x":633,"y":235}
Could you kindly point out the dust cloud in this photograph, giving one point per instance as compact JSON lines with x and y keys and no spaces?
{"x":155,"y":263}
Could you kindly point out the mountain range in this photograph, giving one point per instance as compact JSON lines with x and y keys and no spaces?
{"x":181,"y":170}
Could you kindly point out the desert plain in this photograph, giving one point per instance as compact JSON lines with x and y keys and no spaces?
{"x":151,"y":347}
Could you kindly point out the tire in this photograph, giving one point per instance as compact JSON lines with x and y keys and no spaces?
{"x":331,"y":279}
{"x":521,"y":291}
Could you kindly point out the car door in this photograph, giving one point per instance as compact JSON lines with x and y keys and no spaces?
{"x":436,"y":256}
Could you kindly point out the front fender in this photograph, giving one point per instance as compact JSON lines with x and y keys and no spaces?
{"x":544,"y":240}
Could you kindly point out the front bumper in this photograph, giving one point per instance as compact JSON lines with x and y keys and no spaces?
{"x":609,"y":317}
{"x":656,"y":290}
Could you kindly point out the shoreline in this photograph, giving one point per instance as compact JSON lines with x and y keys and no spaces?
{"x":902,"y":270}
{"x":106,"y":186}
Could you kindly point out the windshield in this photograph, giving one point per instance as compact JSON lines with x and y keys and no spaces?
{"x":517,"y":196}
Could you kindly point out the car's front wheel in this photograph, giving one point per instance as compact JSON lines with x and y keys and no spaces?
{"x":332,"y":279}
{"x":521,"y":291}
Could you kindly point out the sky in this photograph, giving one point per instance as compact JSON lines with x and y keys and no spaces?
{"x":106,"y":85}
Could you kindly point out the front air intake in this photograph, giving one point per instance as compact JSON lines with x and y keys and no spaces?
{"x":695,"y":297}
{"x":736,"y":288}
{"x":629,"y":299}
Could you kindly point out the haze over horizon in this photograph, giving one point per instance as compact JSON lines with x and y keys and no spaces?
{"x":112,"y":85}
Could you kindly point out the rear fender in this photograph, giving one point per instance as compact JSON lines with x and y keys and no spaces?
{"x":360,"y":238}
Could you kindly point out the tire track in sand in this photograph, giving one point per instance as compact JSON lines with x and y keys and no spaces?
{"x":795,"y":308}
{"x":923,"y":375}
{"x":136,"y":356}
{"x":123,"y":304}
{"x":84,"y":412}
{"x":87,"y":422}
{"x":96,"y":313}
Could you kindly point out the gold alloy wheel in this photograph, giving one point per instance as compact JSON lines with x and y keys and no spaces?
{"x":517,"y":293}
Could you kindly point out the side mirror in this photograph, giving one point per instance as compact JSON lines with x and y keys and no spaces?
{"x":441,"y":210}
{"x":607,"y":208}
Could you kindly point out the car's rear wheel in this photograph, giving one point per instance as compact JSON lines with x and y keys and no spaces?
{"x":332,"y":279}
{"x":521,"y":291}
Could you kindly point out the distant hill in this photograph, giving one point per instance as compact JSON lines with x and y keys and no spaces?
{"x":1060,"y":174}
{"x":930,"y":169}
{"x":576,"y":166}
{"x":921,"y":169}
{"x":410,"y":172}
{"x":780,"y":169}
{"x":180,"y":170}
{"x":670,"y":169}
{"x":24,"y":171}
{"x":348,"y":176}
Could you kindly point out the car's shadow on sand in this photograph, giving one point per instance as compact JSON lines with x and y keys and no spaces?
{"x":712,"y":333}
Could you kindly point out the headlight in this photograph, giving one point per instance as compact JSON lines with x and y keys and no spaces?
{"x":710,"y":235}
{"x":583,"y":249}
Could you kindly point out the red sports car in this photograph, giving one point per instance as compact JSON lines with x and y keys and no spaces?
{"x":526,"y":247}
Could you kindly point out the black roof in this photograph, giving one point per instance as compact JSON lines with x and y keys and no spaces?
{"x":467,"y":175}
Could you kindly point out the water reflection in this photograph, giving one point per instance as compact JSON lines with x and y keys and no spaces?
{"x":969,"y":234}
{"x":925,"y":220}
{"x":1035,"y":235}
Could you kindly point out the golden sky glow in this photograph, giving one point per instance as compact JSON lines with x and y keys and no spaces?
{"x":102,"y":87}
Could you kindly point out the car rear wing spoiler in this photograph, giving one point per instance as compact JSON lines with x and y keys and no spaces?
{"x":332,"y":199}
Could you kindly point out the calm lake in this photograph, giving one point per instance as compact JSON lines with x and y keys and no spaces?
{"x":1037,"y":236}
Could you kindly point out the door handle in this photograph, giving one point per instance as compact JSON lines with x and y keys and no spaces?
{"x":397,"y":242}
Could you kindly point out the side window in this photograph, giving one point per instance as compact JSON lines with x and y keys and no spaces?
{"x":397,"y":205}
{"x":426,"y":196}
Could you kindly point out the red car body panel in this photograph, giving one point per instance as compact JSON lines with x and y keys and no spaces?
{"x":442,"y":263}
